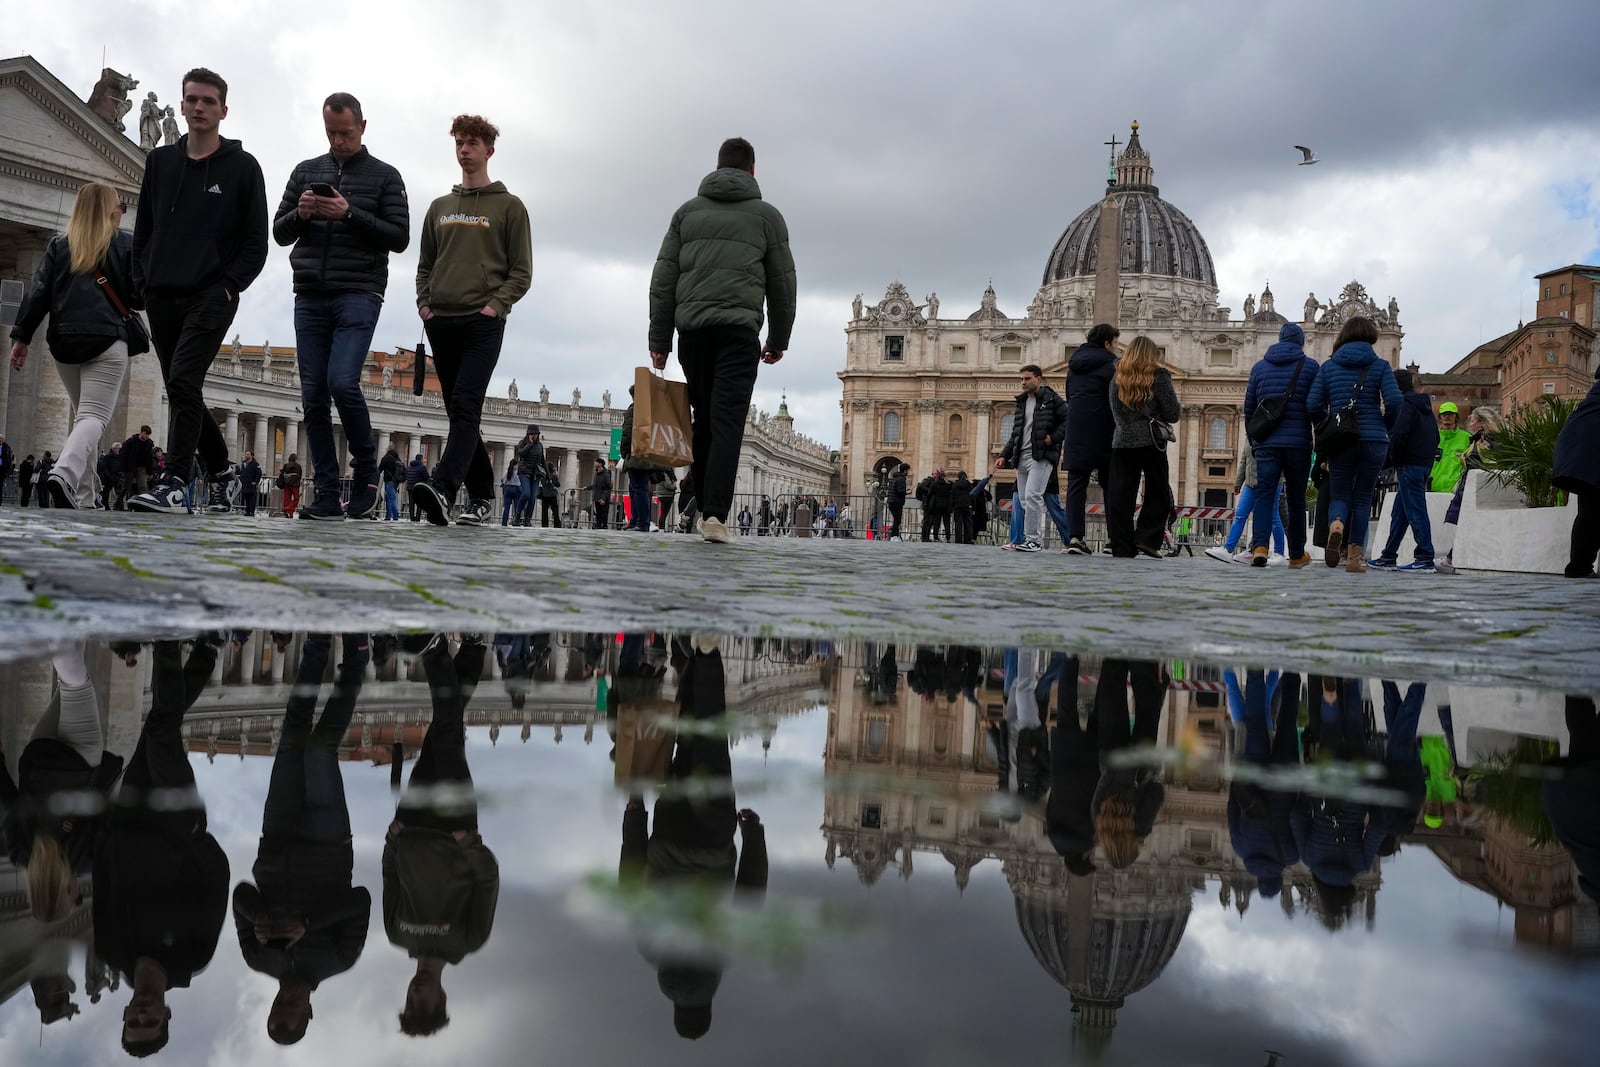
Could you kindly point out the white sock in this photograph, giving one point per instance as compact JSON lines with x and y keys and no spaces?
{"x":70,"y":667}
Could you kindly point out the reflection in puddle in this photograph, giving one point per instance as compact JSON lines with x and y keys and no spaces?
{"x":205,"y":823}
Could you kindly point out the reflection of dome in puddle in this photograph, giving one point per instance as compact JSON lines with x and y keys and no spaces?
{"x":1103,"y":937}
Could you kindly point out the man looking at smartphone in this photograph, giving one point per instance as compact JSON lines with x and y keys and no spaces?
{"x":344,"y":212}
{"x":199,"y":240}
{"x":476,"y":261}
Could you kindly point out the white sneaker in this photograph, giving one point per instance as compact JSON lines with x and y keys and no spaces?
{"x":167,"y":499}
{"x":1222,"y":555}
{"x":1277,"y":559}
{"x":1030,"y":546}
{"x":1244,"y":557}
{"x":714,"y":530}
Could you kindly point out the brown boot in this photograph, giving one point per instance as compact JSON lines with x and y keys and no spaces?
{"x":1354,"y":561}
{"x":1333,"y":549}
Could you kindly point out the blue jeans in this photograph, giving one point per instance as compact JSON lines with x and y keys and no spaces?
{"x":1251,"y":502}
{"x":513,"y":500}
{"x":1352,"y":476}
{"x":1292,"y":466}
{"x":333,"y":333}
{"x":391,"y":502}
{"x":530,"y":493}
{"x":1052,"y":507}
{"x":1410,"y":509}
{"x":639,"y":500}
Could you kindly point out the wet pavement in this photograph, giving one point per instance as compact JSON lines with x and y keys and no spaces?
{"x":96,"y":573}
{"x":703,"y":847}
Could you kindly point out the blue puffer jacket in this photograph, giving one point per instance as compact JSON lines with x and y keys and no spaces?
{"x":1577,"y":463}
{"x":1270,"y":377}
{"x":1337,"y":381}
{"x":1415,"y":442}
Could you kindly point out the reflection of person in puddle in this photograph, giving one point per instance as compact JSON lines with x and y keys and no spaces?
{"x":1127,"y":799}
{"x":1258,"y":815}
{"x":440,"y":881}
{"x":1332,"y":832}
{"x":1074,"y":768}
{"x":1404,"y":773}
{"x":302,"y":922}
{"x":66,"y":757}
{"x":160,"y":880}
{"x":691,"y":847}
{"x":1572,"y":793}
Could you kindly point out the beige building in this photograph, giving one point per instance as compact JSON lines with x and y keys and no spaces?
{"x":938,"y":391}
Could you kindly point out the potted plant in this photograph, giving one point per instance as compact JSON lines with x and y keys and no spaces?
{"x":1525,"y":449}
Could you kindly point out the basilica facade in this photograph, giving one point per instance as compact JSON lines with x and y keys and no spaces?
{"x":937,"y":391}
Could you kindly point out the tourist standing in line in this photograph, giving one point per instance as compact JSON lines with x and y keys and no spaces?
{"x":199,"y":240}
{"x":290,"y":475}
{"x":1284,"y":453}
{"x":530,"y":471}
{"x":476,"y":262}
{"x":1482,"y":427}
{"x":47,"y":463}
{"x":1089,"y":428}
{"x":416,"y":475}
{"x":84,"y":276}
{"x":1355,"y":370}
{"x":961,"y":508}
{"x":550,"y":499}
{"x":1141,"y":395}
{"x":250,"y":481}
{"x":641,"y":474}
{"x":726,"y":253}
{"x":138,"y":466}
{"x":1034,"y":449}
{"x":391,"y":472}
{"x":344,"y":211}
{"x":1577,"y":470}
{"x":1453,"y":442}
{"x":510,"y":493}
{"x":600,"y":494}
{"x":897,"y":498}
{"x":744,"y":521}
{"x":1412,"y":447}
{"x":939,"y":505}
{"x":25,"y":473}
{"x":1245,"y":493}
{"x":109,"y":473}
{"x":8,"y":459}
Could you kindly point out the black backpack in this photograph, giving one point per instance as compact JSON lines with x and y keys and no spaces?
{"x":1270,"y":412}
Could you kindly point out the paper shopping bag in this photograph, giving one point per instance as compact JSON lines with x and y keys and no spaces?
{"x":645,"y":736}
{"x":662,"y":431}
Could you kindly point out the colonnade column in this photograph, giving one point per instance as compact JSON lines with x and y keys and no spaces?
{"x":263,"y":443}
{"x":980,"y":465}
{"x":1191,"y":455}
{"x":230,"y":432}
{"x":291,"y":438}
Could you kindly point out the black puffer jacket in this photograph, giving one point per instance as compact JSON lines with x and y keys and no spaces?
{"x":939,"y":494}
{"x":83,"y":322}
{"x":350,"y":254}
{"x":138,"y":452}
{"x":897,"y":487}
{"x":1089,"y":422}
{"x":1049,"y":420}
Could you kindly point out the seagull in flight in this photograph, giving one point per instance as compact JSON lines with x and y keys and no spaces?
{"x":1307,"y":153}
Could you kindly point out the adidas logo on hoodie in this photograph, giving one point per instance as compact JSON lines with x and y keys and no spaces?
{"x":215,"y":189}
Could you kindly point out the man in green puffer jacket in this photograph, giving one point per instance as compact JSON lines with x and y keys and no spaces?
{"x":726,"y":253}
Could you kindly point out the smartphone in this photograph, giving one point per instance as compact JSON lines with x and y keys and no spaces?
{"x":322,"y":189}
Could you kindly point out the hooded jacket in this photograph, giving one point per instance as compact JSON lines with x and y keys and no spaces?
{"x":349,"y":254}
{"x":726,"y":253}
{"x":477,"y":252}
{"x":897,"y":487}
{"x":1577,"y":463}
{"x":308,"y":881}
{"x":1049,"y":420}
{"x":1271,"y":376}
{"x":1089,"y":423}
{"x":439,"y":894}
{"x":1414,"y":442}
{"x":139,"y":452}
{"x":1337,"y":380}
{"x":83,"y":321}
{"x":201,"y":222}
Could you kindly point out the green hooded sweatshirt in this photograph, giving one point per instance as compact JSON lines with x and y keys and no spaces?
{"x":725,"y":254}
{"x":476,"y":252}
{"x":1448,"y":467}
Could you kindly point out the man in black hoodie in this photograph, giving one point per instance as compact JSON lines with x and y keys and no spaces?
{"x":1089,"y":426}
{"x":1413,"y":443}
{"x":138,"y":461}
{"x":897,"y":498}
{"x":199,"y":240}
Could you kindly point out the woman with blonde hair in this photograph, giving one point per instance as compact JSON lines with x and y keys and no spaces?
{"x":85,"y":285}
{"x":1128,"y":796}
{"x":1144,"y":405}
{"x":54,"y":842}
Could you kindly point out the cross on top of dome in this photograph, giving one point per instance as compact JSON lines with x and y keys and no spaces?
{"x":1133,"y":165}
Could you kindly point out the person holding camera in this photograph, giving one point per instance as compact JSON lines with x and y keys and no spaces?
{"x":344,"y":211}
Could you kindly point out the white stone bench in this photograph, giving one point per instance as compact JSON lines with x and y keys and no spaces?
{"x":1443,"y":536}
{"x":1497,"y":532}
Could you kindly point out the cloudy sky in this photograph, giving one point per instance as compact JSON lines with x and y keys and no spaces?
{"x":944,"y":145}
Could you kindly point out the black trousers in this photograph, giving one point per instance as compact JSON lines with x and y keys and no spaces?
{"x":1077,"y":496}
{"x":963,"y":524}
{"x":305,"y":794}
{"x":186,"y":333}
{"x":443,"y":759}
{"x":160,"y":760}
{"x":466,"y":349}
{"x":601,"y":511}
{"x":720,"y":364}
{"x":1585,"y":536}
{"x":895,"y":512}
{"x":1127,"y":465}
{"x":549,"y":514}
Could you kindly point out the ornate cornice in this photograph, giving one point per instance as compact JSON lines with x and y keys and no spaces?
{"x":100,"y":138}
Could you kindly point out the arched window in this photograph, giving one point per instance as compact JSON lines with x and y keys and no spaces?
{"x":956,"y":430}
{"x":1217,"y":436}
{"x":891,"y":427}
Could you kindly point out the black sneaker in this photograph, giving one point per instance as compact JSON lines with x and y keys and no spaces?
{"x":324,"y":509}
{"x":363,"y":502}
{"x":222,"y":488}
{"x":60,"y":495}
{"x":167,"y":498}
{"x":1150,"y":553}
{"x":476,"y":513}
{"x":433,"y":503}
{"x":1078,"y":547}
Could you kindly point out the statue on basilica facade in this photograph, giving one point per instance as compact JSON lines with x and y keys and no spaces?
{"x":1394,"y":310}
{"x":544,"y":394}
{"x":855,"y":307}
{"x":169,"y":126}
{"x":1249,"y":306}
{"x":605,"y":400}
{"x":577,"y":397}
{"x":933,"y":305}
{"x":1311,"y":308}
{"x":236,"y":350}
{"x":388,"y":375}
{"x":266,"y":356}
{"x":511,"y":391}
{"x":149,"y":122}
{"x":1143,"y":307}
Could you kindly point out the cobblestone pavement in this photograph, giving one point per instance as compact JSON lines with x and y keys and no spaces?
{"x":75,"y":574}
